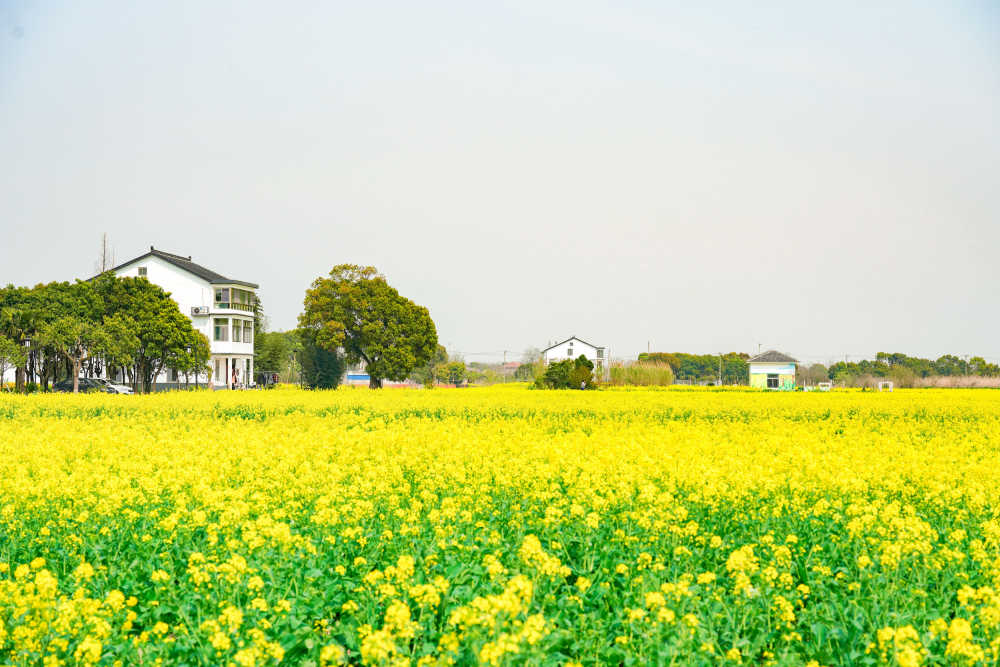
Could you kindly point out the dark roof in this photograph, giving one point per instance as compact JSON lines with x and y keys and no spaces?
{"x":189,"y":266}
{"x":569,"y":339}
{"x":773,"y":356}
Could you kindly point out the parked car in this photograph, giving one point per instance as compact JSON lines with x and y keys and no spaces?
{"x":118,"y":388}
{"x":84,"y":385}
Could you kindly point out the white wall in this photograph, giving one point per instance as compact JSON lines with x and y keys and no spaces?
{"x":764,"y":367}
{"x":562,"y":351}
{"x":186,"y":288}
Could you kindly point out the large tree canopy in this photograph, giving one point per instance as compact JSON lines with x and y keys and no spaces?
{"x":75,"y":340}
{"x":105,"y":323}
{"x":357,"y":311}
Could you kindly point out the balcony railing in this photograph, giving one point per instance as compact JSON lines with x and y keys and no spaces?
{"x":223,"y":305}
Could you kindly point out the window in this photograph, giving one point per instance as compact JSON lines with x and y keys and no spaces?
{"x":222,"y":328}
{"x":173,"y":375}
{"x":218,"y":369}
{"x":600,"y":353}
{"x":222,"y":297}
{"x":569,"y":352}
{"x":772,"y":380}
{"x":248,"y":332}
{"x":237,"y":328}
{"x":142,"y":270}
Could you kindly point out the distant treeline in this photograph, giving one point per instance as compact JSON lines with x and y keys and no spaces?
{"x":887,"y":364}
{"x":705,"y":368}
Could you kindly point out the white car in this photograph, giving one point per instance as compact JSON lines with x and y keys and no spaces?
{"x":117,"y":388}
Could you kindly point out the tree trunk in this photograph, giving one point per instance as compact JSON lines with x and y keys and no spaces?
{"x":76,"y":376}
{"x":46,"y":366}
{"x":374,"y":382}
{"x":19,"y":379}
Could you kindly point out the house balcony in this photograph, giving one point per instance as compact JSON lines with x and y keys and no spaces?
{"x":222,"y":309}
{"x":231,"y":306}
{"x":228,"y":347}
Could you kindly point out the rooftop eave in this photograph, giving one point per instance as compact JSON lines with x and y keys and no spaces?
{"x":241,"y":283}
{"x":576,"y":338}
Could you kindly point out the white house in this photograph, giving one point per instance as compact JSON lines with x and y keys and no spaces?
{"x":219,"y":307}
{"x":571,"y":348}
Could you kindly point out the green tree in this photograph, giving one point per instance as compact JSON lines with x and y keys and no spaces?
{"x":357,"y":311}
{"x":27,"y":311}
{"x":427,"y":373}
{"x":568,"y":374}
{"x":17,"y":323}
{"x":271,"y":351}
{"x":163,"y":333}
{"x":12,"y":355}
{"x":452,"y":372}
{"x":122,"y":342}
{"x":192,"y":358}
{"x":322,"y":368}
{"x":582,"y":375}
{"x":74,"y":340}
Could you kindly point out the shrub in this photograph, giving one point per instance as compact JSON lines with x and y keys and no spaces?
{"x":568,"y":374}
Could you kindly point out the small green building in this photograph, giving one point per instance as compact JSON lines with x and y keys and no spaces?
{"x":772,"y":370}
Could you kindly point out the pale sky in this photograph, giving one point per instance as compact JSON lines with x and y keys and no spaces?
{"x":821,"y":178}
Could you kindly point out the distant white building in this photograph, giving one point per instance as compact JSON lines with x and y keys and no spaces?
{"x":219,"y":307}
{"x":571,"y":348}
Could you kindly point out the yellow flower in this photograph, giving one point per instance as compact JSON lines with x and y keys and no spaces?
{"x":83,"y":571}
{"x":332,"y":654}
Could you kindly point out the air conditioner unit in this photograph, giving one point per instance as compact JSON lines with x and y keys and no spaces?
{"x":199,"y":310}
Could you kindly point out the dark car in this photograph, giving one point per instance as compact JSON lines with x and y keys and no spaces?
{"x":85,"y":385}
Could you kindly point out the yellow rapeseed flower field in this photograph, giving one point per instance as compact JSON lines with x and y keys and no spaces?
{"x":500,"y":526}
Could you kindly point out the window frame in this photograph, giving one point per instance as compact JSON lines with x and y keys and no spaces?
{"x":220,"y":324}
{"x":775,"y":378}
{"x":143,"y":273}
